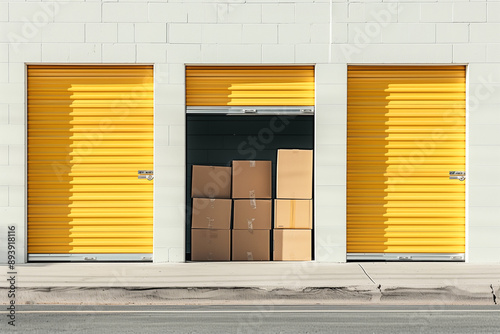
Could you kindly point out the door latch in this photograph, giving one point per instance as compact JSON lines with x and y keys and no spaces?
{"x":145,"y":174}
{"x":457,"y":175}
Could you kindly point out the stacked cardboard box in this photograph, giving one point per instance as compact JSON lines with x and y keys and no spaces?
{"x":293,"y":206}
{"x":211,"y":214}
{"x":252,"y":193}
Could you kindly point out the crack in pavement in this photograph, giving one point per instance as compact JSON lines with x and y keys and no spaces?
{"x":366,"y":273}
{"x":375,"y":298}
{"x":493,"y":293}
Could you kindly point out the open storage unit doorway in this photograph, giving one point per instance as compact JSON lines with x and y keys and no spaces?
{"x":245,"y":113}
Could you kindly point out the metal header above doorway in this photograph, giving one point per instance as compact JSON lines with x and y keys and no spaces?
{"x":251,"y":110}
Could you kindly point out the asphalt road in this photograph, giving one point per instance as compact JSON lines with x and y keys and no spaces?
{"x":253,"y":319}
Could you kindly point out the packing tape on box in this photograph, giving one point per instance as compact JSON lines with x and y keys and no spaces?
{"x":210,"y":222}
{"x":253,"y":203}
{"x":249,"y":256}
{"x":292,"y":213}
{"x":251,"y":194}
{"x":250,"y":224}
{"x":252,"y":163}
{"x":212,"y":203}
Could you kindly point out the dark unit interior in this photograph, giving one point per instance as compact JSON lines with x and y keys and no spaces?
{"x":216,"y":140}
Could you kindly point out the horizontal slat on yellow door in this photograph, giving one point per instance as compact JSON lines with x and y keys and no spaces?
{"x":250,"y":85}
{"x":90,"y":129}
{"x":406,"y":131}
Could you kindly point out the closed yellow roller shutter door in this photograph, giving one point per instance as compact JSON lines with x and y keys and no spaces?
{"x":406,"y":132}
{"x":90,"y":129}
{"x":250,"y":85}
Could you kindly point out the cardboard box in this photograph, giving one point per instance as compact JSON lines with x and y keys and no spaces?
{"x":210,"y":245}
{"x":252,"y":179}
{"x":293,"y":213}
{"x":252,"y":214}
{"x":211,"y":182}
{"x":211,"y":213}
{"x":251,"y":245}
{"x":292,"y":245}
{"x":294,"y":174}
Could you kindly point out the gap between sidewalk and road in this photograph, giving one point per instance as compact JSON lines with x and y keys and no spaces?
{"x":256,"y":283}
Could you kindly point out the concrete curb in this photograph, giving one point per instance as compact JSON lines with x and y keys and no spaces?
{"x":261,"y":296}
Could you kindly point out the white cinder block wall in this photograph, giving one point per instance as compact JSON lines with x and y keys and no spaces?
{"x":327,"y":34}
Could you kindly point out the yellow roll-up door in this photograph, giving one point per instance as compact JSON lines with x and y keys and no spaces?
{"x":90,"y":129}
{"x":250,"y":85}
{"x":406,"y":132}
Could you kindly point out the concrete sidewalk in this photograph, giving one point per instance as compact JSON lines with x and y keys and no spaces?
{"x":245,"y":282}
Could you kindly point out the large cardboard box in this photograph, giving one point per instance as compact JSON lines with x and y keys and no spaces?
{"x":251,"y":245}
{"x":210,"y":245}
{"x":252,"y":179}
{"x":252,"y":214}
{"x":292,"y":245}
{"x":293,"y":213}
{"x":211,"y":213}
{"x":211,"y":182}
{"x":294,"y":174}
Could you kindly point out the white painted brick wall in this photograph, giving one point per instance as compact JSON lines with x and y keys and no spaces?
{"x":4,"y":12}
{"x":17,"y":196}
{"x":312,"y":13}
{"x":409,"y":33}
{"x":188,"y":53}
{"x":152,"y":53}
{"x":381,"y":12}
{"x":260,"y":33}
{"x":294,"y":33}
{"x":245,"y":53}
{"x":55,"y":52}
{"x":77,"y":12}
{"x":4,"y":155}
{"x":184,"y":33}
{"x":469,"y":12}
{"x":17,"y":114}
{"x":115,"y":53}
{"x":125,"y":12}
{"x":126,"y":32}
{"x":466,"y":53}
{"x":221,"y":33}
{"x":150,"y":33}
{"x":4,"y":114}
{"x":493,"y":52}
{"x":101,"y":33}
{"x":4,"y":72}
{"x":278,"y":13}
{"x":320,"y":33}
{"x":16,"y":155}
{"x":409,"y":12}
{"x":239,"y":13}
{"x":85,"y":52}
{"x":4,"y":53}
{"x":167,"y":12}
{"x":493,"y":11}
{"x":278,"y":53}
{"x":30,"y":12}
{"x":436,"y":12}
{"x":25,"y":52}
{"x":484,"y":33}
{"x":202,"y":12}
{"x":452,"y":32}
{"x":63,"y":33}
